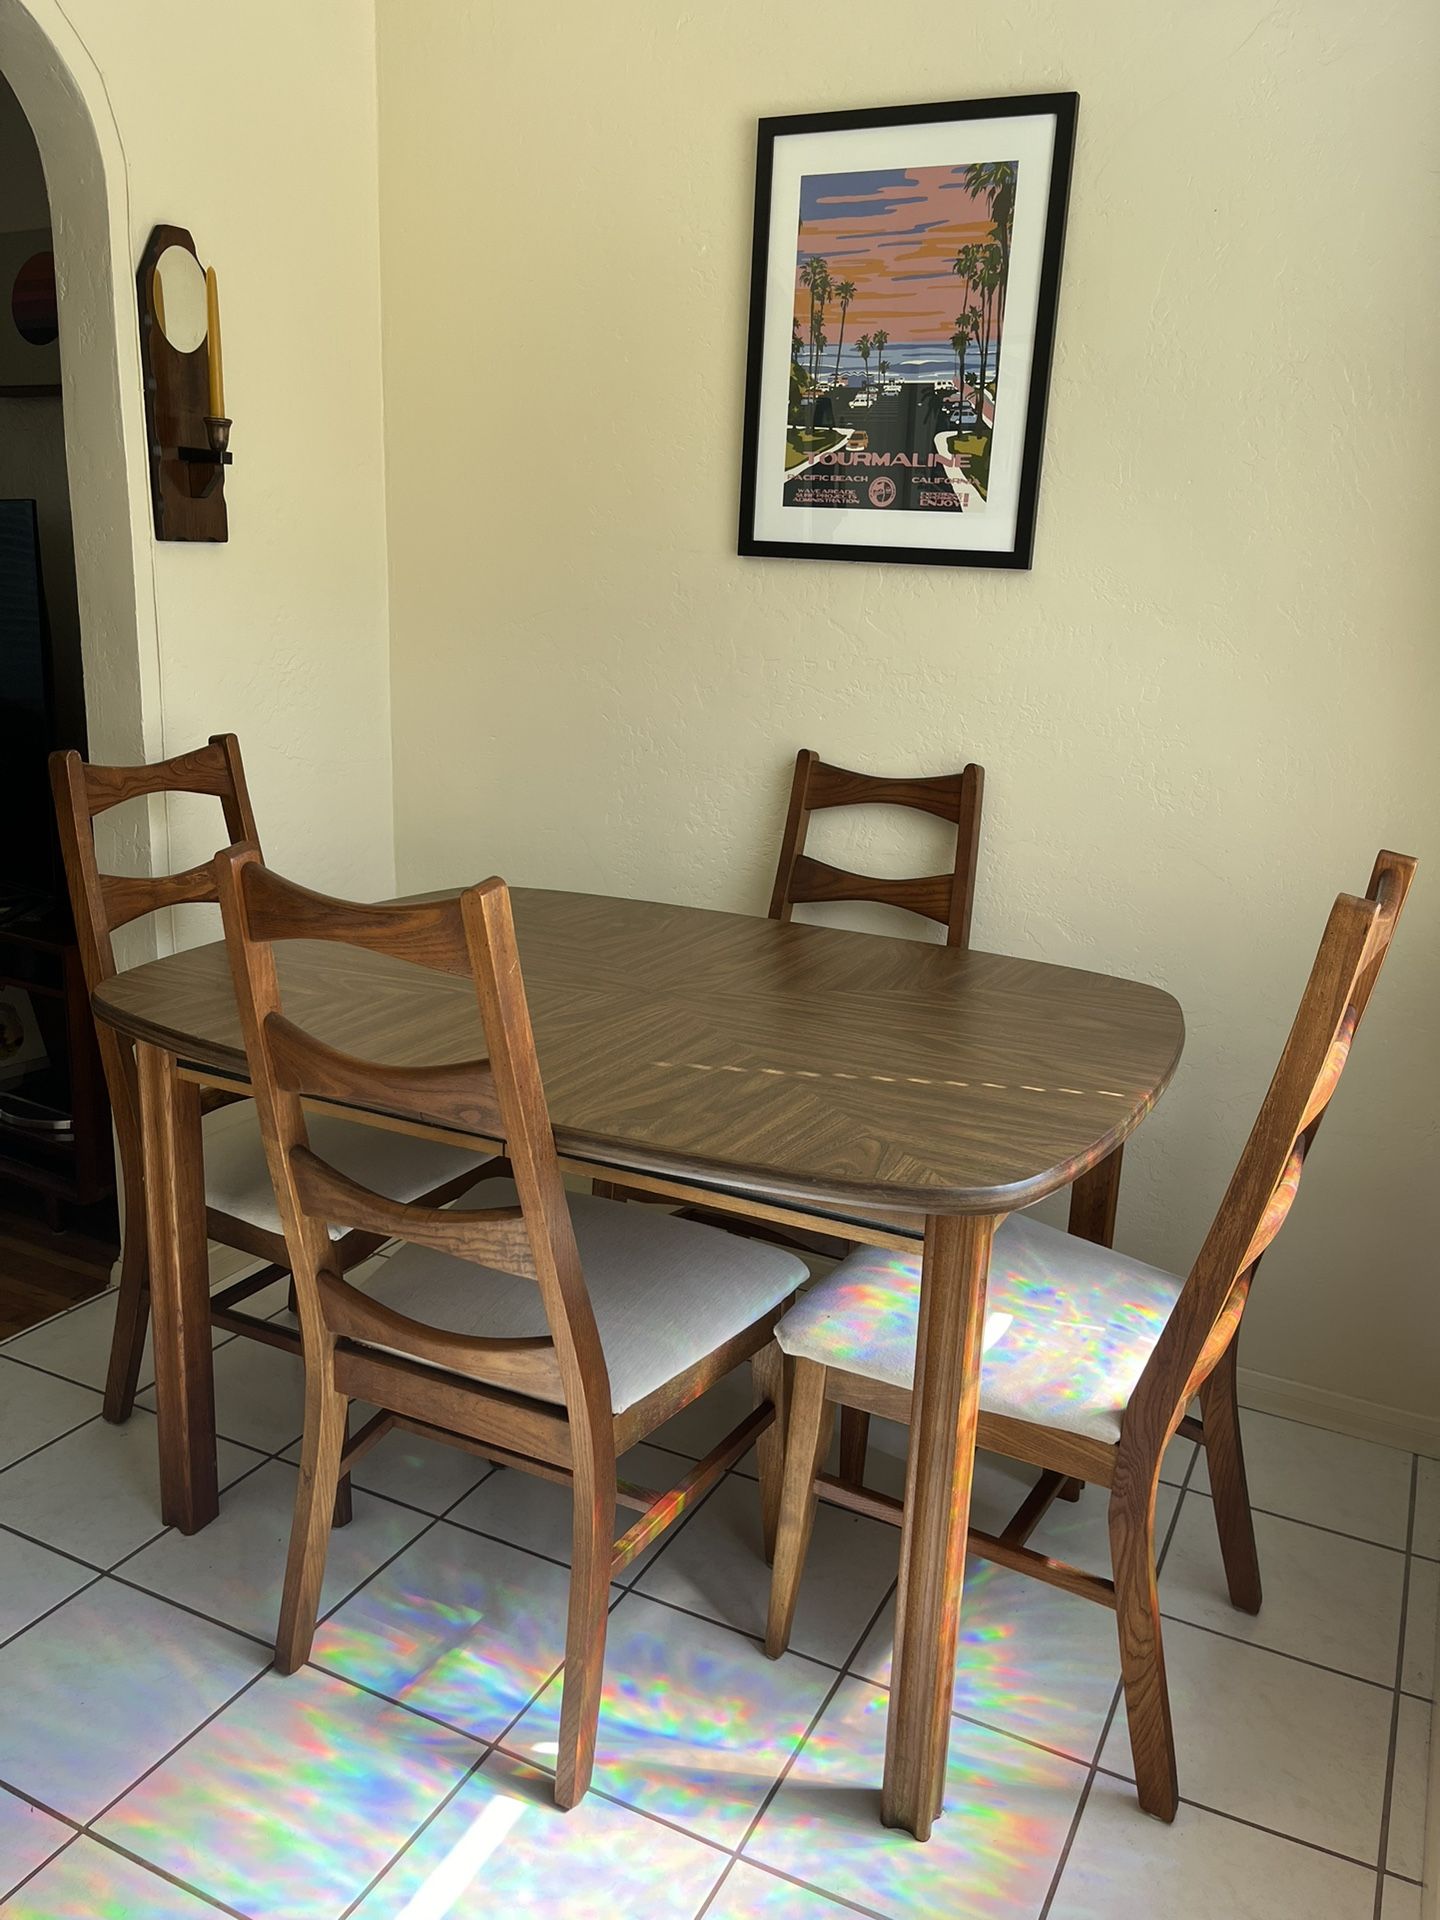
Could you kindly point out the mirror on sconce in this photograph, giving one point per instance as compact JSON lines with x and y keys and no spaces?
{"x":179,"y":290}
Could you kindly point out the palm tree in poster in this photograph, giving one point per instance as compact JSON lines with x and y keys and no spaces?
{"x":797,"y":373}
{"x":844,"y":293}
{"x":815,"y":276}
{"x":966,"y":264}
{"x":862,"y":347}
{"x":991,"y":282}
{"x":967,"y":325}
{"x":982,"y":269}
{"x":994,"y":181}
{"x":880,"y":340}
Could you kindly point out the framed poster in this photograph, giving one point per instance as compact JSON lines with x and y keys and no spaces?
{"x":903,"y":289}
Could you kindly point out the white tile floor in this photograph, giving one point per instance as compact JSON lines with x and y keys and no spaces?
{"x":153,"y":1768}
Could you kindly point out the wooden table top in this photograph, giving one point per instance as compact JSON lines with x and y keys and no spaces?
{"x":796,"y":1062}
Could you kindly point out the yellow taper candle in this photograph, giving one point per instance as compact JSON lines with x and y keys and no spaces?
{"x":212,"y":341}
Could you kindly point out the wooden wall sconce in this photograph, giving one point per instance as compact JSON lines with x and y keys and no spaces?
{"x":189,"y":433}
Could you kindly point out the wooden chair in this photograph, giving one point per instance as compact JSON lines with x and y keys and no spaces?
{"x":1096,"y":1389}
{"x":946,"y":897}
{"x":241,"y":1208}
{"x":546,"y":1332}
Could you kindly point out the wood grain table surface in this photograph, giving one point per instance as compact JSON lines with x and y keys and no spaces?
{"x":796,"y":1061}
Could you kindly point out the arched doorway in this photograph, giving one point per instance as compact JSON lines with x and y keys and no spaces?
{"x":63,"y":97}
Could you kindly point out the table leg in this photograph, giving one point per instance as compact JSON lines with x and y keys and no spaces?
{"x":1094,"y":1198}
{"x":941,"y":1464}
{"x":179,"y":1291}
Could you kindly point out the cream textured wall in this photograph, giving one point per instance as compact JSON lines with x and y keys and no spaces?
{"x":1200,"y":714}
{"x":257,"y":130}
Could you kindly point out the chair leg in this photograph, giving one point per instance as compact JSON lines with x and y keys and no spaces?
{"x":132,"y":1317}
{"x":854,"y":1444}
{"x":1071,"y":1490}
{"x":806,"y":1444}
{"x":320,"y":1451}
{"x":1230,"y":1494}
{"x":767,"y":1371}
{"x":592,"y":1551}
{"x":1142,"y":1656}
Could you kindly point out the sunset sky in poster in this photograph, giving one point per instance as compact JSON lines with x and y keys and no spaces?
{"x":894,"y":232}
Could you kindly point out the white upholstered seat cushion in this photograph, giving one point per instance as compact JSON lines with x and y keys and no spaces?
{"x":1068,"y":1325}
{"x":666,"y":1292}
{"x":237,"y":1179}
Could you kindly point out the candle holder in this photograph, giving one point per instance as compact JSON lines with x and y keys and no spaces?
{"x":189,"y":444}
{"x":213,"y":458}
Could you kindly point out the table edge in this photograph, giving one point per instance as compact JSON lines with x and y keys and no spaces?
{"x":622,"y":1156}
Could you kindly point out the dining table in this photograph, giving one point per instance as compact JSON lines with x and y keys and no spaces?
{"x":889,"y":1091}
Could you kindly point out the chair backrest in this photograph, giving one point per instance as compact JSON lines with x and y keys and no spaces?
{"x":498,"y":1096}
{"x":946,"y":897}
{"x":104,"y":902}
{"x":1262,"y":1190}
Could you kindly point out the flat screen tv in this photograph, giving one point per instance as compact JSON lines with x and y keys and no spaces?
{"x":29,"y":874}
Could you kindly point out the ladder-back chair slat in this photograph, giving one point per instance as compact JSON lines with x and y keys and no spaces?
{"x":490,"y":1236}
{"x":521,"y":1364}
{"x":815,"y":880}
{"x":426,"y":933}
{"x":942,"y":794}
{"x":129,"y":897}
{"x":215,"y":769}
{"x":459,"y":1093}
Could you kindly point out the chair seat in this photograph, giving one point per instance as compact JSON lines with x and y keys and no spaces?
{"x":1069,"y":1326}
{"x":666,"y":1292}
{"x":237,"y":1179}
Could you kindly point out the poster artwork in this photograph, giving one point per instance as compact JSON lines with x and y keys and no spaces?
{"x":896,"y":338}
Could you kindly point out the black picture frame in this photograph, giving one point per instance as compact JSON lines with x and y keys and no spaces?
{"x":761,"y":509}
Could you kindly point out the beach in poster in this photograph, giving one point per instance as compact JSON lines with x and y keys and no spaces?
{"x":900,"y":351}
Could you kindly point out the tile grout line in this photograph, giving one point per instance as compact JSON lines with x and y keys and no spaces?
{"x":1383,"y":1847}
{"x":1316,"y":1526}
{"x":1258,"y":1646}
{"x":20,"y":1460}
{"x":19,"y":1631}
{"x":61,"y":1553}
{"x":124,"y":1853}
